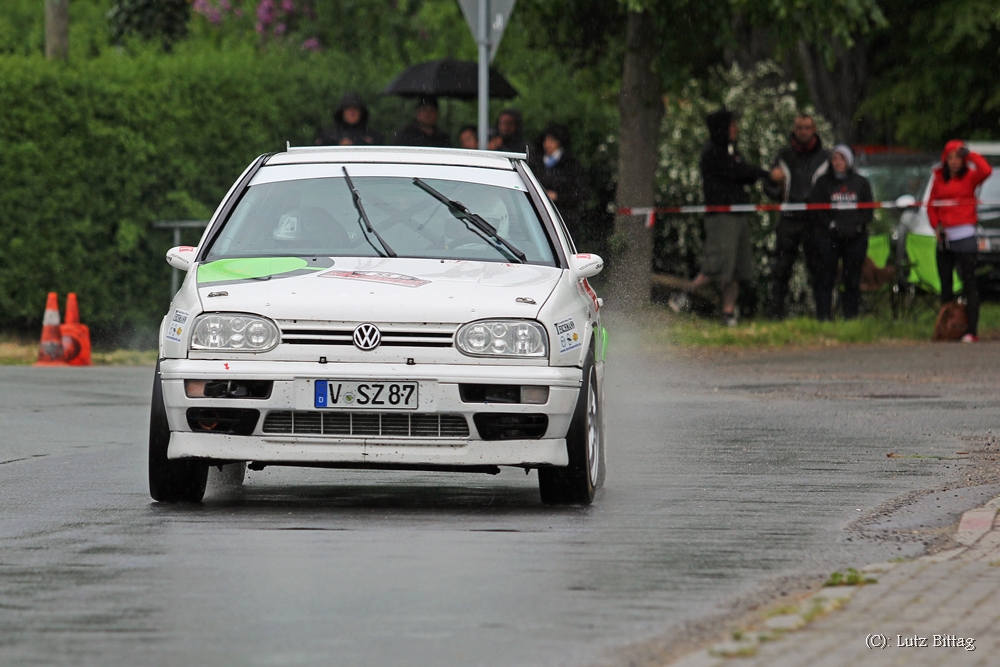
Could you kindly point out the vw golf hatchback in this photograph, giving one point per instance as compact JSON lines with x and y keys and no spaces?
{"x":382,"y":308}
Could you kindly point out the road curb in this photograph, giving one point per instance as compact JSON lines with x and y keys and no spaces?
{"x":975,"y":525}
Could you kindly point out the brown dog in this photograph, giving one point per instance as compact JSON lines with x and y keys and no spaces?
{"x":952,"y":322}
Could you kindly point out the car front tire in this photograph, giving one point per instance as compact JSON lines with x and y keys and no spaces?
{"x":577,"y":483}
{"x":170,"y":481}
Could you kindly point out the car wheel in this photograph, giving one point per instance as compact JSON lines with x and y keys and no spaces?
{"x":577,"y":482}
{"x":170,"y":481}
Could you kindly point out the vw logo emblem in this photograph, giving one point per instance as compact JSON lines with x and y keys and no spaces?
{"x":367,"y":337}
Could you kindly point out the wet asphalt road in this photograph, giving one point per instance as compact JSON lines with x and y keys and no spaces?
{"x":723,"y":473}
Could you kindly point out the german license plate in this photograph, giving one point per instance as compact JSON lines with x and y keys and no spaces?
{"x":366,"y":394}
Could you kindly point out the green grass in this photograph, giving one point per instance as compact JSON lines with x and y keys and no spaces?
{"x":692,"y":331}
{"x":849,"y":577}
{"x":15,"y":352}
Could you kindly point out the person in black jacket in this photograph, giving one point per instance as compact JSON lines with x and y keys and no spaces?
{"x":840,"y":234}
{"x":350,"y":125}
{"x":795,"y":168}
{"x":562,"y":176}
{"x":423,"y":131}
{"x":728,"y":253}
{"x":510,"y":132}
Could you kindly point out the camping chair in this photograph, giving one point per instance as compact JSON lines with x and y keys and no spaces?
{"x":878,"y":250}
{"x":877,"y":281}
{"x":923,"y":284}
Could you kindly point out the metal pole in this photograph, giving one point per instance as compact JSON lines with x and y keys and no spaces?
{"x":175,"y":277}
{"x":484,"y":72}
{"x":177,"y":226}
{"x":57,"y":29}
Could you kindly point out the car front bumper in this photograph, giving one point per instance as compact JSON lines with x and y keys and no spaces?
{"x":293,"y":391}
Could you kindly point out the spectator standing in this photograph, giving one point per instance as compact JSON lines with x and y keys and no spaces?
{"x":510,"y":130}
{"x":423,"y":131}
{"x":792,"y":174}
{"x":468,"y":137}
{"x":728,"y":252}
{"x":563,"y":177}
{"x":350,"y":125}
{"x":840,"y":235}
{"x":957,"y":178}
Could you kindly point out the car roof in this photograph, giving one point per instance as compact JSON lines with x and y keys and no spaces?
{"x":396,"y":154}
{"x":984,"y":147}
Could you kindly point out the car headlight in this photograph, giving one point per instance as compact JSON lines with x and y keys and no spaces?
{"x":503,"y":338}
{"x":236,"y":332}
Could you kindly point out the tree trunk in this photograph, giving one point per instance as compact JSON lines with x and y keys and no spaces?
{"x":640,"y":106}
{"x":750,"y":44}
{"x":57,"y":29}
{"x":837,"y":93}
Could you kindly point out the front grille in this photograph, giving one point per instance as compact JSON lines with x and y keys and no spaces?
{"x":314,"y":333}
{"x":414,"y":425}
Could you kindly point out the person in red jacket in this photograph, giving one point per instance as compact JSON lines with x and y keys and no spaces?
{"x":956,"y":179}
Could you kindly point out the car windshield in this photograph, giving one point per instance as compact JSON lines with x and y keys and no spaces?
{"x":317,"y":217}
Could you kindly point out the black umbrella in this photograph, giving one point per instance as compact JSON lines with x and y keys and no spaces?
{"x":448,"y":78}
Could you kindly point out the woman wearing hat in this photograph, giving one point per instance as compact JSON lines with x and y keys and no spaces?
{"x":841,"y":234}
{"x":956,"y":179}
{"x":562,"y":176}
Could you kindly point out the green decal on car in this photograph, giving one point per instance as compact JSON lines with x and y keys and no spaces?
{"x":249,"y":268}
{"x":604,"y":343}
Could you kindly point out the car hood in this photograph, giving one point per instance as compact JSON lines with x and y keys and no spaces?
{"x":375,"y":289}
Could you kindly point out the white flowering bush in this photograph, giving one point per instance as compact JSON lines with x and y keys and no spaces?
{"x":767,"y":106}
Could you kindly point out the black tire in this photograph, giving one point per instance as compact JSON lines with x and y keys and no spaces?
{"x":577,"y":483}
{"x":170,"y":481}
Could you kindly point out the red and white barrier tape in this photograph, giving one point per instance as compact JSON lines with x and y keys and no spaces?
{"x":651,"y":213}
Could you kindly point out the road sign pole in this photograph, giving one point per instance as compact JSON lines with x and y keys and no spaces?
{"x":177,"y":226}
{"x":175,"y":277}
{"x":484,"y":72}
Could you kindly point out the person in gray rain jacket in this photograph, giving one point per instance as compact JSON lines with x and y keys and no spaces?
{"x":840,"y":235}
{"x":728,"y":249}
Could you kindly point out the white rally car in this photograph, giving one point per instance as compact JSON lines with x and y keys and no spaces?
{"x":382,"y":308}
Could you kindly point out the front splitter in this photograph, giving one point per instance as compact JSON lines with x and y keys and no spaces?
{"x":320,"y":450}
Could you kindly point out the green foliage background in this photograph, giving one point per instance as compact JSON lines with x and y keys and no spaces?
{"x":94,"y":150}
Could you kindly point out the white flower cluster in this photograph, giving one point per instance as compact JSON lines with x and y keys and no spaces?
{"x":767,"y":104}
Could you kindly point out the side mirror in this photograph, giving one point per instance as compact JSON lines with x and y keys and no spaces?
{"x":181,"y":257}
{"x":906,"y":201}
{"x":585,"y":265}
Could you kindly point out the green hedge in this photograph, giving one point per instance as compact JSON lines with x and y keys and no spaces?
{"x":91,"y":153}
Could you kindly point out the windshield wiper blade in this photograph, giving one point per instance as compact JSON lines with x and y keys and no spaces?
{"x":459,"y":210}
{"x":389,"y":252}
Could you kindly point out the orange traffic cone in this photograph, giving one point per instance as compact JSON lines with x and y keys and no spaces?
{"x":50,"y":350}
{"x":75,"y":336}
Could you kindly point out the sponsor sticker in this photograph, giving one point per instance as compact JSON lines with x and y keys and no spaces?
{"x":177,"y":324}
{"x":589,"y":292}
{"x":377,"y":277}
{"x":569,"y":336}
